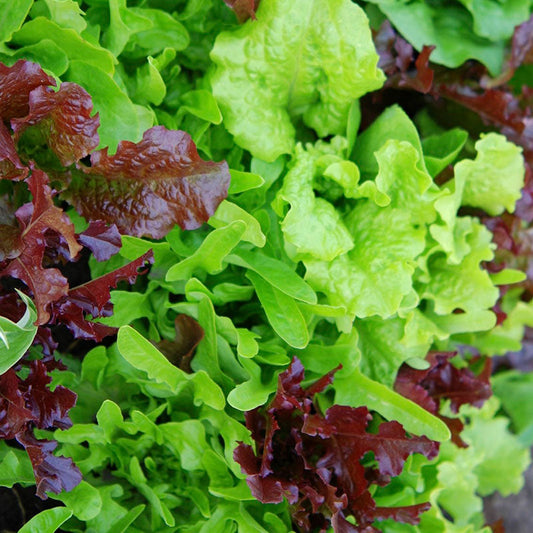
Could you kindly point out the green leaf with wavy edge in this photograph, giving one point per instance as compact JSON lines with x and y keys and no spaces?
{"x":484,"y":186}
{"x":212,"y":252}
{"x":276,"y":273}
{"x":143,"y":355}
{"x":47,"y":521}
{"x":259,"y":97}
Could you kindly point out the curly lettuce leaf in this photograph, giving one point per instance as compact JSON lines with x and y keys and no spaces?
{"x":494,"y":180}
{"x":162,"y":179}
{"x":294,"y":61}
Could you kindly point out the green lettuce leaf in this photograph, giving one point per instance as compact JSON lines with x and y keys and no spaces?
{"x":497,"y":158}
{"x":294,"y":61}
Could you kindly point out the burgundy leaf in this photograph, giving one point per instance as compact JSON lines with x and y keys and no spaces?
{"x":35,"y":219}
{"x":11,"y":167}
{"x":13,"y":412}
{"x":49,"y":409}
{"x":63,"y":119}
{"x":103,"y":240}
{"x":315,"y":461}
{"x":92,"y":298}
{"x":29,"y":403}
{"x":147,"y":187}
{"x":52,"y":473}
{"x":244,"y":9}
{"x":16,"y":84}
{"x":180,"y":351}
{"x":397,"y":59}
{"x":442,"y":380}
{"x":10,"y":242}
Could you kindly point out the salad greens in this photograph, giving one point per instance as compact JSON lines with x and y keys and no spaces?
{"x":250,"y":279}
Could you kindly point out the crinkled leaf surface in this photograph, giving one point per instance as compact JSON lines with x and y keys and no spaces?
{"x":62,"y":119}
{"x":493,"y":181}
{"x":315,"y":460}
{"x":46,"y":284}
{"x":147,"y":187}
{"x":16,"y":84}
{"x":296,"y":60}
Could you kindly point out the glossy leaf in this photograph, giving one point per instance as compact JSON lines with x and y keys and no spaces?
{"x":162,"y":178}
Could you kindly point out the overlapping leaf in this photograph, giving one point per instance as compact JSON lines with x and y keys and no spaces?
{"x":148,"y":187}
{"x":316,"y":460}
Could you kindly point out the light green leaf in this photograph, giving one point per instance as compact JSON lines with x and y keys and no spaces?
{"x":393,"y":123}
{"x":16,"y":337}
{"x":267,"y":72}
{"x":494,"y":180}
{"x":47,"y":521}
{"x":212,"y":252}
{"x":201,"y":104}
{"x":67,"y":13}
{"x":46,"y":52}
{"x":143,"y":355}
{"x":12,"y":15}
{"x":442,"y":150}
{"x":149,"y":85}
{"x":282,"y":312}
{"x":504,"y":459}
{"x":118,"y":116}
{"x":68,"y":40}
{"x":276,"y":273}
{"x":357,"y":389}
{"x":84,"y":500}
{"x":244,"y":181}
{"x":228,"y":212}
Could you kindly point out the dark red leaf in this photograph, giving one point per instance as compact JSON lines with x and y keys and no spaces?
{"x":29,"y":403}
{"x":244,"y":9}
{"x":148,"y":187}
{"x":180,"y":351}
{"x":442,"y":380}
{"x":92,"y":298}
{"x":16,"y":84}
{"x":63,"y":119}
{"x":11,"y":167}
{"x":397,"y":59}
{"x":52,"y":473}
{"x":49,"y":409}
{"x":315,"y":461}
{"x":10,"y":242}
{"x":103,"y":240}
{"x":13,"y":412}
{"x":35,"y":219}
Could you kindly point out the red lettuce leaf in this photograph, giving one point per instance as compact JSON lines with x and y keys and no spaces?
{"x":11,"y":167}
{"x":315,"y":460}
{"x":103,"y":240}
{"x":180,"y":351}
{"x":16,"y":84}
{"x":63,"y":119}
{"x":147,"y":187}
{"x":443,"y":381}
{"x":397,"y":60}
{"x":29,"y":403}
{"x":92,"y":298}
{"x":52,"y":473}
{"x":35,"y":219}
{"x":244,"y":9}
